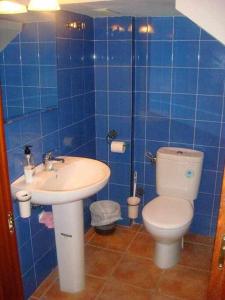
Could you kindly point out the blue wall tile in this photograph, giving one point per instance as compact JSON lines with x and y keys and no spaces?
{"x":29,"y":53}
{"x":119,"y":55}
{"x":183,"y":106}
{"x":141,"y":54}
{"x":26,"y":257}
{"x":159,"y":79}
{"x":184,"y":80}
{"x":211,"y":81}
{"x":157,"y":129}
{"x":100,"y":52}
{"x":29,"y":283}
{"x":212,"y":55}
{"x":160,"y":53}
{"x":120,"y":79}
{"x":120,"y":103}
{"x":30,"y":33}
{"x":47,"y":53}
{"x":162,"y":28}
{"x":209,"y":108}
{"x":186,"y":54}
{"x":182,"y":131}
{"x":47,"y":31}
{"x":207,"y":133}
{"x":158,"y":104}
{"x":140,"y":78}
{"x":100,"y":28}
{"x":12,"y":54}
{"x":185,"y":29}
{"x":101,"y":78}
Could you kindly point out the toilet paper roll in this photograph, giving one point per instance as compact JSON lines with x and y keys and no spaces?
{"x":118,"y":147}
{"x":23,"y":198}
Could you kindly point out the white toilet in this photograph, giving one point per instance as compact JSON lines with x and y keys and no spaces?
{"x":168,"y":216}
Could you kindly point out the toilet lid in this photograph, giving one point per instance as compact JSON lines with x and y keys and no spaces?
{"x":167,"y":212}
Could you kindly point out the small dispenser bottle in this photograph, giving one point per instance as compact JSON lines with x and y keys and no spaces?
{"x":28,"y":164}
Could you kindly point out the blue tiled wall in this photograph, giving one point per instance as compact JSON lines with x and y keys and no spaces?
{"x":113,"y":85}
{"x":178,"y":84}
{"x":167,"y":83}
{"x":67,"y":129}
{"x":75,"y":73}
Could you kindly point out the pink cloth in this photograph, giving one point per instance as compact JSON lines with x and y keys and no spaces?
{"x":47,"y":219}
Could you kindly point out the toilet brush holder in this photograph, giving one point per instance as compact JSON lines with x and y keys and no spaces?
{"x":133,"y":204}
{"x":24,"y":198}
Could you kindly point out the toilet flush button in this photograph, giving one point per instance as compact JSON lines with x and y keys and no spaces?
{"x":189,"y":173}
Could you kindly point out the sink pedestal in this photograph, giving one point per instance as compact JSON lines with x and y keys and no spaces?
{"x":69,"y":236}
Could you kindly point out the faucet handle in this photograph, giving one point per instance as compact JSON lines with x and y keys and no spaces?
{"x":47,"y":156}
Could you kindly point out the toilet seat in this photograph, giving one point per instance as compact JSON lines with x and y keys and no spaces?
{"x":168,"y":212}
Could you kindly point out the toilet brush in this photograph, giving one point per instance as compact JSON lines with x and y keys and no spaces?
{"x":133,"y":202}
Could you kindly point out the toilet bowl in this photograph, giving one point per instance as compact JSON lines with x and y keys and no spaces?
{"x":168,"y":217}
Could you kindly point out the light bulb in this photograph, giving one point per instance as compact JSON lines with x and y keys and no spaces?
{"x":10,"y":7}
{"x":43,"y":5}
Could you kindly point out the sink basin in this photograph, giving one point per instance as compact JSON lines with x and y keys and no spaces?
{"x":75,"y":179}
{"x":65,"y":188}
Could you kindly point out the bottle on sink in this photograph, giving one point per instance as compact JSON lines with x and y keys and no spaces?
{"x":28,"y":164}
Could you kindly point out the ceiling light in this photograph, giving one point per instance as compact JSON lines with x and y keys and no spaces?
{"x":43,"y":5}
{"x":10,"y":7}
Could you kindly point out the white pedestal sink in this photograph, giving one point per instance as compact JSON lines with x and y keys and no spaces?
{"x":64,"y":188}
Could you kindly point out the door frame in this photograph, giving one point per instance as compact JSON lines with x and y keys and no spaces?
{"x":216,"y":287}
{"x":11,"y":287}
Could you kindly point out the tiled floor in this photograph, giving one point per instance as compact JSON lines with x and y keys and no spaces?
{"x":120,"y":267}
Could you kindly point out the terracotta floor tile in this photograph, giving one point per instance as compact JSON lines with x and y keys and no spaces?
{"x":116,"y":290}
{"x":138,"y":271}
{"x":46,"y":284}
{"x":158,"y":296}
{"x":143,"y":230}
{"x":142,"y":245}
{"x":196,"y":256}
{"x":199,"y":239}
{"x":184,"y":283}
{"x":100,"y":262}
{"x":89,"y":235}
{"x":119,"y":240}
{"x":120,"y":267}
{"x":93,"y":287}
{"x":134,"y":227}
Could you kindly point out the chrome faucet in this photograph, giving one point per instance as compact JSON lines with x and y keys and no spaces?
{"x":48,"y":160}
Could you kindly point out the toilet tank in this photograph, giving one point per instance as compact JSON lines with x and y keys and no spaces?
{"x":178,"y":172}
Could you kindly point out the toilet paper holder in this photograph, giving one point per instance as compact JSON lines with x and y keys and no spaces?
{"x":111,"y":135}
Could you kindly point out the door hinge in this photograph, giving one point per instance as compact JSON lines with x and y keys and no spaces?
{"x":11,"y":223}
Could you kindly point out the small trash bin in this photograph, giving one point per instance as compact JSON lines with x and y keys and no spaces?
{"x":104,"y":214}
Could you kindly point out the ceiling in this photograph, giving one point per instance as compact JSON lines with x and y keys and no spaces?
{"x":122,"y":7}
{"x":99,"y":8}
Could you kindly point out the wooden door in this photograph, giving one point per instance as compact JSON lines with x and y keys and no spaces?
{"x":10,"y":276}
{"x":216,"y":289}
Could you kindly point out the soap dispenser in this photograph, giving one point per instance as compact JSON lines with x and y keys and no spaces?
{"x":28,"y":164}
